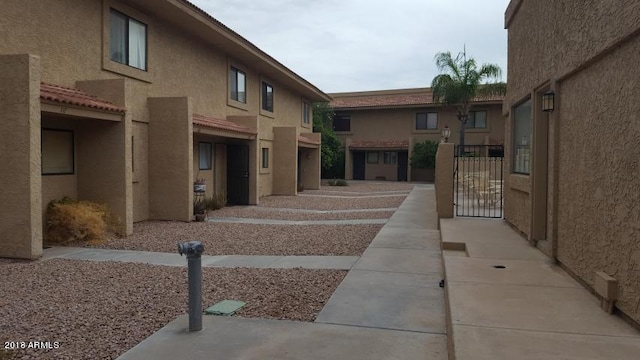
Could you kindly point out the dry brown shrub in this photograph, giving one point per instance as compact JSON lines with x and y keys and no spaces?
{"x":72,"y":221}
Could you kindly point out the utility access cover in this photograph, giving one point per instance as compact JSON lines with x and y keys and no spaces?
{"x":225,"y":308}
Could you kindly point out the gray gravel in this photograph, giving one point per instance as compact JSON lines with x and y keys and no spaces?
{"x":330,"y":203}
{"x":100,"y":310}
{"x":266,"y":213}
{"x":248,"y":239}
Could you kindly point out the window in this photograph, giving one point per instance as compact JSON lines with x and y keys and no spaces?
{"x":265,"y":158}
{"x":305,"y":113}
{"x":477,"y":120}
{"x":390,"y":157}
{"x":267,"y":97}
{"x":341,"y":123}
{"x":238,"y":85}
{"x":205,"y":155}
{"x":372,"y":157}
{"x":427,"y":121}
{"x":522,"y":137}
{"x":128,"y":41}
{"x":57,"y":152}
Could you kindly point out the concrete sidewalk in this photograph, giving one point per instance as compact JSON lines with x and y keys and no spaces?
{"x":389,"y":306}
{"x":530,"y":309}
{"x":168,"y":259}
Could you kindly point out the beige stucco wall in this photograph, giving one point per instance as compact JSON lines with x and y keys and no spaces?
{"x":20,"y":179}
{"x":285,"y":160}
{"x":444,"y":179}
{"x":140,"y":171}
{"x":399,"y":124}
{"x":583,"y":53}
{"x":380,"y":171}
{"x":180,"y":64}
{"x":170,"y":159}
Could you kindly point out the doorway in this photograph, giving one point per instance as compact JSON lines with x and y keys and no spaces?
{"x":238,"y":174}
{"x":358,"y":165}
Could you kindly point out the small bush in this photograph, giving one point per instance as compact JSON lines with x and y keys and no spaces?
{"x":424,"y":155}
{"x":215,"y":202}
{"x":338,"y":182}
{"x":69,"y":220}
{"x":202,"y":205}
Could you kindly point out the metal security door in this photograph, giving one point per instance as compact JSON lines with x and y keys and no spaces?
{"x":238,"y":174}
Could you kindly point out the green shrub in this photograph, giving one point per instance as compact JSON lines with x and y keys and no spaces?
{"x":70,"y":220}
{"x":424,"y":155}
{"x":338,"y":182}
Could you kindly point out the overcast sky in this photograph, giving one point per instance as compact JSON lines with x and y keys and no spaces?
{"x":359,"y":45}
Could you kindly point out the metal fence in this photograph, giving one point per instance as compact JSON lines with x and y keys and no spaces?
{"x":478,"y":181}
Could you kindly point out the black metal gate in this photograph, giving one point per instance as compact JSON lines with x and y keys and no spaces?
{"x":238,"y":174}
{"x":478,"y":181}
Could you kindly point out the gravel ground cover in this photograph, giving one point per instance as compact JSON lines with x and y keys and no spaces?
{"x":248,"y":239}
{"x":99,"y":310}
{"x":332,"y":203}
{"x":266,"y":213}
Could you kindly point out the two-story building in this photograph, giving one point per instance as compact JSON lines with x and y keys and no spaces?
{"x":380,"y":128}
{"x":571,"y":151}
{"x":128,"y":102}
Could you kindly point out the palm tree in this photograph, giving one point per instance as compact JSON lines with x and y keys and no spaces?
{"x":460,"y":82}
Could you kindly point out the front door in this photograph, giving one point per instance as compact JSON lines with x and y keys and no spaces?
{"x":403,"y":162}
{"x":358,"y":165}
{"x":238,"y":174}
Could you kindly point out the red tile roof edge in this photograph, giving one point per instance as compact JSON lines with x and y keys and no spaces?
{"x":306,"y":140}
{"x":394,"y":98}
{"x":72,"y":96}
{"x":222,"y":124}
{"x":379,"y":144}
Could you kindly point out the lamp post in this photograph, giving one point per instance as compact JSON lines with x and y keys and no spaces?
{"x":446,"y":132}
{"x":548,"y":100}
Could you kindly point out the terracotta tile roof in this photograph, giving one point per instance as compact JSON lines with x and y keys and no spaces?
{"x":221,"y":124}
{"x":379,"y":144}
{"x":306,"y":140}
{"x":391,"y":98}
{"x":76,"y":97}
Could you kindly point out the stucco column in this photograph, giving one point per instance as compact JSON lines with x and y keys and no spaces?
{"x":444,"y":180}
{"x":170,"y":159}
{"x":348,"y":160}
{"x":105,"y":163}
{"x":310,"y":164}
{"x":285,"y":160}
{"x":20,"y":178}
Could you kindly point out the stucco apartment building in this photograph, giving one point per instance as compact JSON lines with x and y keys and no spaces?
{"x":380,"y":128}
{"x":129,"y":102}
{"x":573,"y":184}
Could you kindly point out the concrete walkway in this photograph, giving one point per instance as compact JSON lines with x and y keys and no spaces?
{"x":308,"y":211}
{"x":168,"y":259}
{"x":388,"y":307}
{"x":296,"y":222}
{"x":530,"y":309}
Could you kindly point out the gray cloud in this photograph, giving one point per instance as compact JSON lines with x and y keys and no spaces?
{"x":355,"y":45}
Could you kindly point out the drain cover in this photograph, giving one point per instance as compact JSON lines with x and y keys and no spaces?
{"x":225,"y":308}
{"x":499,"y":266}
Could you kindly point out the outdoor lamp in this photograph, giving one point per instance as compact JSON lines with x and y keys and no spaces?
{"x":446,"y":132}
{"x":548,"y":101}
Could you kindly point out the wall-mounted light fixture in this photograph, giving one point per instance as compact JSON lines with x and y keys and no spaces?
{"x":446,"y":133}
{"x":548,"y":100}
